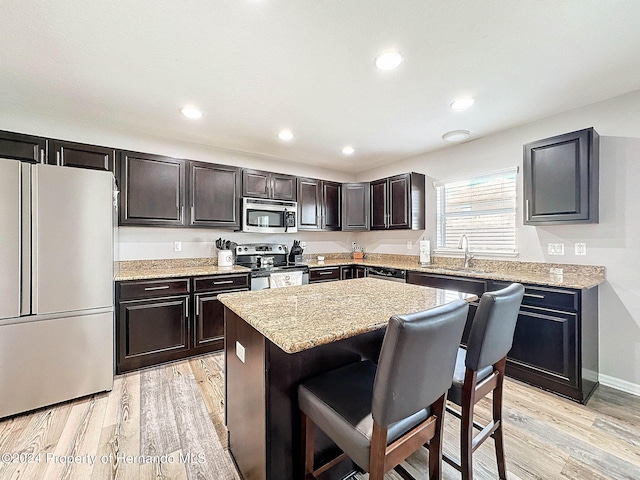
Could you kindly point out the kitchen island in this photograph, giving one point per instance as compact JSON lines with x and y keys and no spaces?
{"x":277,"y":338}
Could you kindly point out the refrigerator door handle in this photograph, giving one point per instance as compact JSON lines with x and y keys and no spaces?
{"x":25,"y":239}
{"x":33,"y":238}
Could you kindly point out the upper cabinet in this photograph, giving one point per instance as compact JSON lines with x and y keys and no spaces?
{"x":26,"y":148}
{"x":561,"y":179}
{"x":398,"y":202}
{"x":152,"y":190}
{"x":261,"y":184}
{"x":355,"y":206}
{"x":319,"y":204}
{"x":69,"y":154}
{"x":214,"y":195}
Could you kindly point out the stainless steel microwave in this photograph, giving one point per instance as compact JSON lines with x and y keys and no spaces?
{"x":260,"y":215}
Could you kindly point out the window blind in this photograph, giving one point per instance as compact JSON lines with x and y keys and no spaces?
{"x":483,"y":208}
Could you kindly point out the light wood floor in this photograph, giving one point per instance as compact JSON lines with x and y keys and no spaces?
{"x":177,"y":411}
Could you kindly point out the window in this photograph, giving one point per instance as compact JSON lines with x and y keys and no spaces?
{"x":483,"y":208}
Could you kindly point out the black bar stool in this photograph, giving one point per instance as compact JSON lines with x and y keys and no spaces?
{"x":480,"y":371}
{"x":379,"y":415}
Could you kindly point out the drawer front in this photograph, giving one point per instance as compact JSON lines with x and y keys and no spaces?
{"x":324,"y":274}
{"x":220,"y":282}
{"x":153,"y":288}
{"x":546,"y":297}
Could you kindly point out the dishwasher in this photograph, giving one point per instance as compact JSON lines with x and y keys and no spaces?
{"x":392,"y":274}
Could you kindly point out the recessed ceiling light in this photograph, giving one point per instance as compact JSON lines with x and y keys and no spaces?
{"x":462,"y":103}
{"x":285,"y":135}
{"x":389,"y":60}
{"x":191,"y":112}
{"x":348,"y":150}
{"x":456,"y":135}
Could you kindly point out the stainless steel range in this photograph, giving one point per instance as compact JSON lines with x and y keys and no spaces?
{"x":265,"y":259}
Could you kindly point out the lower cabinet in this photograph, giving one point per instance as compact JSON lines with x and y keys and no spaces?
{"x":555,"y":343}
{"x":161,"y":320}
{"x":324,"y":274}
{"x":349,"y":272}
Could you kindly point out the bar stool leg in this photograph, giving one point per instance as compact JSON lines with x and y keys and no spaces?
{"x":497,"y":419}
{"x":466,"y":427}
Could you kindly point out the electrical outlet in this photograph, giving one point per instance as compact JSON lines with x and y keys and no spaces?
{"x":177,"y":246}
{"x":555,"y":248}
{"x":580,"y":248}
{"x":303,"y":244}
{"x":409,"y":245}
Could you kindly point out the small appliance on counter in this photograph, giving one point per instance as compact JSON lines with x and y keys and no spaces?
{"x":225,"y":252}
{"x":295,"y":254}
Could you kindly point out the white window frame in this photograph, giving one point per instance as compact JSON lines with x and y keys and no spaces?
{"x":511,"y":210}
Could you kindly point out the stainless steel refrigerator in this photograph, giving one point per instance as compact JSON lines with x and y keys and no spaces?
{"x":56,"y":284}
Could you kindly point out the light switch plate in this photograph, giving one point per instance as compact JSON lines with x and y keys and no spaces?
{"x":240,"y":351}
{"x":177,"y":246}
{"x":409,"y":245}
{"x":580,"y":248}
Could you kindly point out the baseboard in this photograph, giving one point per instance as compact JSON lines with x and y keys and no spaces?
{"x":618,"y":384}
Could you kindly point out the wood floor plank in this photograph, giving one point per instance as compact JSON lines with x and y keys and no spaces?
{"x":158,"y":432}
{"x":200,"y":445}
{"x":209,"y":375}
{"x":74,"y":455}
{"x":121,"y":435}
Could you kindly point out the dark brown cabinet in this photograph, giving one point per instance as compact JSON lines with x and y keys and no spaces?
{"x":355,"y":206}
{"x":214,"y":195}
{"x":349,"y":272}
{"x":26,"y":148}
{"x":561,"y":179}
{"x":208,"y":327}
{"x":160,"y":320}
{"x":324,"y":274}
{"x":152,"y":190}
{"x":261,"y":184}
{"x":319,"y":204}
{"x":151,"y":322}
{"x":69,"y":154}
{"x":555,"y":343}
{"x":398,"y":202}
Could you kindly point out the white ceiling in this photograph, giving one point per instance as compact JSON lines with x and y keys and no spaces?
{"x":257,"y":66}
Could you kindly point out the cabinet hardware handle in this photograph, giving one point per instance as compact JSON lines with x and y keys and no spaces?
{"x":528,"y":217}
{"x":325,"y":273}
{"x":187,"y":308}
{"x":42,"y":155}
{"x":533,"y":295}
{"x":193,"y":209}
{"x":58,"y":158}
{"x":197,"y":307}
{"x":164,"y":287}
{"x":222,"y":282}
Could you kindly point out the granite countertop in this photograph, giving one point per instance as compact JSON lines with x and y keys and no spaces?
{"x":182,"y":267}
{"x":303,"y":317}
{"x":572,"y":276}
{"x":535,"y":273}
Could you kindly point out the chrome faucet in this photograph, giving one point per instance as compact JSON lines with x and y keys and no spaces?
{"x":463,"y":244}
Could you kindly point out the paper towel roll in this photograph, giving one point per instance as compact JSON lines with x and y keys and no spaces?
{"x":425,"y":252}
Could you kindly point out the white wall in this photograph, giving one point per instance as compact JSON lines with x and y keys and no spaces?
{"x":614,"y":242}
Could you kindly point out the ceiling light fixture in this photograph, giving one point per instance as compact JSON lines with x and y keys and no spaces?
{"x":462,"y":103}
{"x":389,"y":60}
{"x":191,"y":112}
{"x":348,"y":150}
{"x":285,"y":135}
{"x":456,"y":135}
